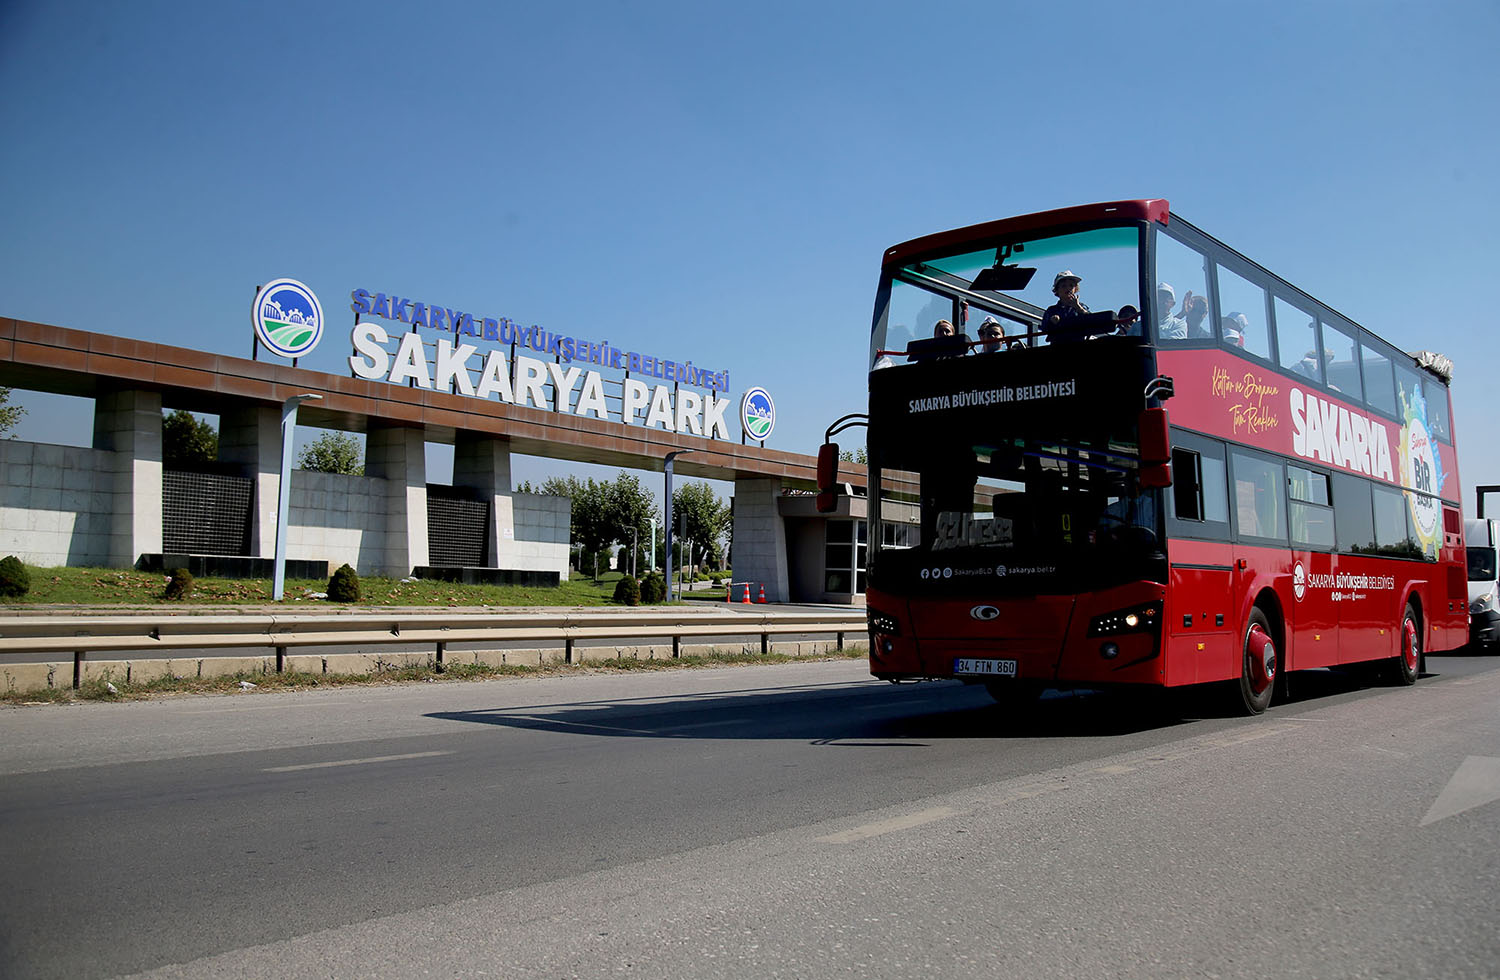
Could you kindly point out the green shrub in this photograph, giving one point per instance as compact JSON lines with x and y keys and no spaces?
{"x":14,"y":579}
{"x":653,"y":588}
{"x":179,"y":584}
{"x":628,"y":591}
{"x":344,"y":585}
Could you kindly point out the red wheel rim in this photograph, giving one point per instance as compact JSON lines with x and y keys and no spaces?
{"x":1260,"y":653}
{"x":1409,"y":644}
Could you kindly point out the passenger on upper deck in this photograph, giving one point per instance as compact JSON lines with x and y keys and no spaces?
{"x":943,"y":328}
{"x":1195,"y":312}
{"x":1168,"y":325}
{"x":1068,"y":305}
{"x":992,"y":336}
{"x":1234,"y":326}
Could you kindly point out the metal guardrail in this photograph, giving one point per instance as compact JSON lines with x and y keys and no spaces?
{"x":83,"y":635}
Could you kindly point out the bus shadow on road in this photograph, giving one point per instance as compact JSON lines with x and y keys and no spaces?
{"x":867,"y":715}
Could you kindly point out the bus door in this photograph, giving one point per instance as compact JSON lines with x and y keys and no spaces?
{"x":1313,"y":620}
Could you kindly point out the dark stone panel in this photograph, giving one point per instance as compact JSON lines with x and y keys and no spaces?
{"x":488,"y":576}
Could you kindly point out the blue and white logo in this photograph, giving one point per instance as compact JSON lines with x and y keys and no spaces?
{"x":758,"y":414}
{"x":288,"y":318}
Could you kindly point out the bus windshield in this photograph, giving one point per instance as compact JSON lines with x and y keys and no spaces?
{"x":1481,"y":564}
{"x":1021,"y":274}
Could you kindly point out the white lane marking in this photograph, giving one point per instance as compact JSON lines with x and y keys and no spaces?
{"x":890,"y":826}
{"x":1476,"y":783}
{"x":356,"y":762}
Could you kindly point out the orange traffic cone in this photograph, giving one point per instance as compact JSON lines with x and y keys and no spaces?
{"x":747,"y":594}
{"x":762,"y":593}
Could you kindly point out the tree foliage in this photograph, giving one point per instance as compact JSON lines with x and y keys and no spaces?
{"x":10,"y":415}
{"x":333,"y":452}
{"x":860,"y":456}
{"x":187,"y":442}
{"x":604,"y":513}
{"x":704,"y":518}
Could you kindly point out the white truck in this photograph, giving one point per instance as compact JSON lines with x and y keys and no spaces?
{"x":1481,"y":541}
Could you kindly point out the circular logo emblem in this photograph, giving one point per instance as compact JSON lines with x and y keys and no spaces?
{"x":1421,"y":471}
{"x":984,"y":613}
{"x":1299,"y":581}
{"x":288,"y":318}
{"x":1000,"y":569}
{"x":758,"y":414}
{"x":947,"y":573}
{"x":927,"y":573}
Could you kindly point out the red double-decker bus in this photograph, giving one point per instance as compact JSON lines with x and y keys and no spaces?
{"x":1167,"y":467}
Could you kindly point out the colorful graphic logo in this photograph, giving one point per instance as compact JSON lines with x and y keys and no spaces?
{"x":288,"y":318}
{"x":1421,"y":469}
{"x":758,"y":414}
{"x":1299,"y":581}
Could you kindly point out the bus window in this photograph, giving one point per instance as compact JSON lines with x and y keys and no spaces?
{"x":1258,"y":490}
{"x":1354,"y":520}
{"x":1242,"y":314}
{"x":1183,"y":270}
{"x":1437,"y":409}
{"x":1408,"y":388}
{"x":1380,"y":381}
{"x":1309,"y":510}
{"x":1297,"y":342}
{"x":1392,"y":531}
{"x":1200,"y":501}
{"x":1342,"y":369}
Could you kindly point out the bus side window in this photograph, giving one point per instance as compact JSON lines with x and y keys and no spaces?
{"x":1259,"y":492}
{"x":1309,"y":511}
{"x":1354,"y":515}
{"x":1343,"y":363}
{"x":1184,"y":271}
{"x":1242,"y":314}
{"x":1436,"y":394}
{"x":1187,"y":485}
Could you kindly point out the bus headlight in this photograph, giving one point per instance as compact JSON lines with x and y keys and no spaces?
{"x":1144,"y":618}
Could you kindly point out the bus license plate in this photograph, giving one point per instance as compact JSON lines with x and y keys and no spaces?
{"x":999,"y":668}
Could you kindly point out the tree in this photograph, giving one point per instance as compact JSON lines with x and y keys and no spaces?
{"x":333,"y":452}
{"x":703,"y":516}
{"x":10,"y":415}
{"x":860,"y":456}
{"x":605,"y":513}
{"x":187,"y":442}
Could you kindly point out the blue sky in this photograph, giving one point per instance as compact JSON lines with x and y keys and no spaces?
{"x":720,"y":181}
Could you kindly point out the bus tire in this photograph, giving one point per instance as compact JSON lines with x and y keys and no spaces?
{"x":1259,"y":664}
{"x":1407,"y":666}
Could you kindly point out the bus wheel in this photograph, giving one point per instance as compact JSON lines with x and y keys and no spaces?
{"x":1258,"y":666}
{"x":1408,"y":663}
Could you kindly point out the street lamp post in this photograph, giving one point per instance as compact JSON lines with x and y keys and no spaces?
{"x":668,"y":532}
{"x":284,"y":492}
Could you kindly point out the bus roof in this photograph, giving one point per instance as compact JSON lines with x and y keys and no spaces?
{"x":1155,"y":209}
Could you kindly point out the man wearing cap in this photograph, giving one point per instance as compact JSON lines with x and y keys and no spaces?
{"x":991,"y":335}
{"x":1234,"y":326}
{"x":1168,"y":326}
{"x":1065,"y":288}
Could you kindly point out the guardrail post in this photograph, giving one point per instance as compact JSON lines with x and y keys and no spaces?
{"x":676,"y":647}
{"x":440,"y":648}
{"x":765,"y":643}
{"x":840,"y":640}
{"x":568,"y":650}
{"x":280,"y":660}
{"x":79,"y":656}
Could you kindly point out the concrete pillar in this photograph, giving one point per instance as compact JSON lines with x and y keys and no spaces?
{"x":399,"y":456}
{"x":128,"y":424}
{"x":759,"y":542}
{"x":250,"y":438}
{"x":482,"y":463}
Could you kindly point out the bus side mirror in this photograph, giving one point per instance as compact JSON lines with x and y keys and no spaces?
{"x":828,"y":477}
{"x":1156,"y":448}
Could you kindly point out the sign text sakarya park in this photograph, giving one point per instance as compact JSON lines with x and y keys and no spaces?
{"x":568,"y":368}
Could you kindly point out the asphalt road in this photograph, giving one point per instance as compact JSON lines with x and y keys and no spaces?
{"x":798,"y":820}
